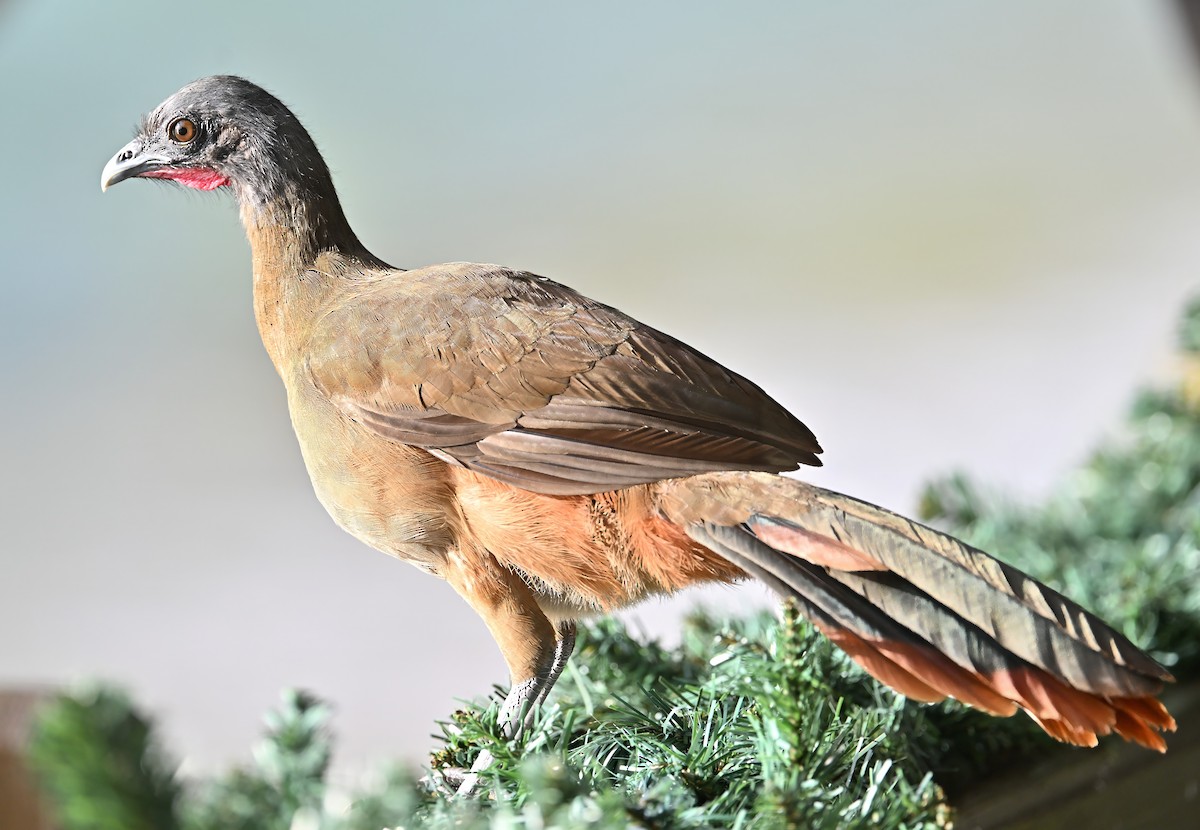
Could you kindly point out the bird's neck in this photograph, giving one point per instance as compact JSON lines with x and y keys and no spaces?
{"x":294,"y":233}
{"x":289,"y":223}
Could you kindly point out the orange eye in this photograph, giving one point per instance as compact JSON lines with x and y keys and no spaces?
{"x":181,"y":130}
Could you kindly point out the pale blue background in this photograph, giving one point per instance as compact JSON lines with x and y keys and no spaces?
{"x":944,"y":234}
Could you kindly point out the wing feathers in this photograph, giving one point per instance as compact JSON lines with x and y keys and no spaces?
{"x":454,"y":358}
{"x":427,"y":428}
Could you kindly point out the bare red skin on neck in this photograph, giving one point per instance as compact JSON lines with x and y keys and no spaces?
{"x":197,"y":178}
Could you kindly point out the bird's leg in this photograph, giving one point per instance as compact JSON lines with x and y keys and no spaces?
{"x":526,"y":639}
{"x":527,"y":697}
{"x":532,"y":698}
{"x":562,"y":653}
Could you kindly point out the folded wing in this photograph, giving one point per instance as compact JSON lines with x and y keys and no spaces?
{"x":528,"y":382}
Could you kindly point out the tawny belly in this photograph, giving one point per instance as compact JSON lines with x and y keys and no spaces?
{"x":393,"y":497}
{"x":579,"y":554}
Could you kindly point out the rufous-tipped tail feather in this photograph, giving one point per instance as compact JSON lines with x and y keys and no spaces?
{"x":924,"y":613}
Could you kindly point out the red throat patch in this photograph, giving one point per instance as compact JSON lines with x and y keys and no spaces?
{"x":197,"y":178}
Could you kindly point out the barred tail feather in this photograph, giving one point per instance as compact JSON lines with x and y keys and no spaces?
{"x":925,"y":613}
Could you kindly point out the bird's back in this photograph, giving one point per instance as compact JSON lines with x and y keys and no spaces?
{"x":525,"y":380}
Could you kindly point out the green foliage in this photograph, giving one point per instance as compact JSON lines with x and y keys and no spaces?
{"x":289,"y":776}
{"x":1189,"y":328}
{"x":747,"y":724}
{"x":101,"y":766}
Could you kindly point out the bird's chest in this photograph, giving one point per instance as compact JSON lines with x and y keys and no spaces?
{"x":393,"y":497}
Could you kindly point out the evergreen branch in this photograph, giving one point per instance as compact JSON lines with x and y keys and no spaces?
{"x":99,"y":763}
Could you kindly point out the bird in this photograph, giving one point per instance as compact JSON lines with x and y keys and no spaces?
{"x":552,"y":458}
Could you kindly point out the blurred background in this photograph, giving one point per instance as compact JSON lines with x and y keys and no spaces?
{"x":945,"y":235}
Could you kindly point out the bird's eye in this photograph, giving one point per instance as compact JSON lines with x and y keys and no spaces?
{"x":181,"y":130}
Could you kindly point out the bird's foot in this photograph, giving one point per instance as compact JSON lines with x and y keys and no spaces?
{"x":469,"y":784}
{"x":456,"y":781}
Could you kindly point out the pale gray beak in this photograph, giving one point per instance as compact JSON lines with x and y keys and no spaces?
{"x":127,"y":163}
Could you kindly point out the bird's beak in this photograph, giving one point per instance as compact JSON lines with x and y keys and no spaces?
{"x":127,"y":163}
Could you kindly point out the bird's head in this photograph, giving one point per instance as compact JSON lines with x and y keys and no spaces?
{"x":224,"y":131}
{"x":221,"y":131}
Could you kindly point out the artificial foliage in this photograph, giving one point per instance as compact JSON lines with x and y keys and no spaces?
{"x":103,"y":767}
{"x":753,"y":723}
{"x":287,"y":780}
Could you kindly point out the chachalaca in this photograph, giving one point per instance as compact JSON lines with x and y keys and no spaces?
{"x":553,"y":458}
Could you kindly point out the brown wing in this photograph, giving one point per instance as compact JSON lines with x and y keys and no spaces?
{"x":527,"y":381}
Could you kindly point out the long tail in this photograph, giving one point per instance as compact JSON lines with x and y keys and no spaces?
{"x":925,"y":613}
